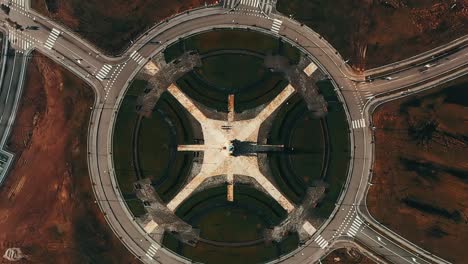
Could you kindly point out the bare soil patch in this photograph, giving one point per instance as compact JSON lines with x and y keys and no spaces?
{"x":112,"y":24}
{"x":46,"y":204}
{"x":372,"y":33}
{"x":346,"y":256}
{"x":420,"y":183}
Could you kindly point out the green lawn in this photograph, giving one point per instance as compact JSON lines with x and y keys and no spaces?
{"x":243,"y":76}
{"x":122,"y":149}
{"x":338,"y":130}
{"x":240,"y":221}
{"x":295,"y":127}
{"x":230,"y":40}
{"x":159,"y":136}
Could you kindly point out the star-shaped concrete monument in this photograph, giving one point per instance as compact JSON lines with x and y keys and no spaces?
{"x":228,"y":148}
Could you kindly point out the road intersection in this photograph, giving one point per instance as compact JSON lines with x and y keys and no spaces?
{"x":110,"y":77}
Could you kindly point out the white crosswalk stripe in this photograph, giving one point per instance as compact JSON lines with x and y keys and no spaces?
{"x":352,"y":231}
{"x":137,"y":57}
{"x":275,"y":27}
{"x":264,"y":6}
{"x":18,"y":5}
{"x":360,"y":123}
{"x":103,"y":72}
{"x":368,"y":94}
{"x":152,"y":250}
{"x":54,"y":34}
{"x":321,"y":241}
{"x":20,"y":40}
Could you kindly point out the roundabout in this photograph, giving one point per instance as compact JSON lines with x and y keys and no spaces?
{"x":346,"y":221}
{"x":272,"y":143}
{"x":348,"y":218}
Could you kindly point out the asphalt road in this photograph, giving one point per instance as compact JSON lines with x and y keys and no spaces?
{"x":111,"y":76}
{"x":9,"y":87}
{"x":12,"y":76}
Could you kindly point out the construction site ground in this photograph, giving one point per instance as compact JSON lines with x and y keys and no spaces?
{"x":346,"y":256}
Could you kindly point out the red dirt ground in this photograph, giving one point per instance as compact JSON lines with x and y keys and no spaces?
{"x":346,"y":256}
{"x":112,"y":24}
{"x":421,"y":150}
{"x":372,"y":33}
{"x":46,"y":204}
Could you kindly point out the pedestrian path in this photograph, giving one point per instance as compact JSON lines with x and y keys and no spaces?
{"x":102,"y":74}
{"x":275,"y":27}
{"x":137,"y":57}
{"x":360,"y":123}
{"x":321,"y":242}
{"x":54,"y":34}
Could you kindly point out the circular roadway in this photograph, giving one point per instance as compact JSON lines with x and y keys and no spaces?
{"x":109,"y":93}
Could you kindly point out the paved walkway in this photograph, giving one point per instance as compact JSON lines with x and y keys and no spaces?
{"x":217,"y":159}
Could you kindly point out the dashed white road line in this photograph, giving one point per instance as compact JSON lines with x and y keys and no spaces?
{"x":345,"y":223}
{"x":393,"y":252}
{"x":113,"y":78}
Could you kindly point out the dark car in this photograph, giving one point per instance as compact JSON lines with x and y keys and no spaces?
{"x":32,"y":27}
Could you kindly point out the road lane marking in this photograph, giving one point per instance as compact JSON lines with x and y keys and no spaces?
{"x":18,"y":6}
{"x":393,"y":252}
{"x":360,"y":123}
{"x":258,"y":8}
{"x":380,"y":240}
{"x":54,"y":34}
{"x":391,"y":242}
{"x":103,"y":72}
{"x":253,"y":3}
{"x":9,"y":85}
{"x":275,"y":27}
{"x":355,"y":226}
{"x":321,"y":242}
{"x":137,"y":57}
{"x":20,"y":39}
{"x":346,"y":221}
{"x":113,"y":78}
{"x":152,"y":250}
